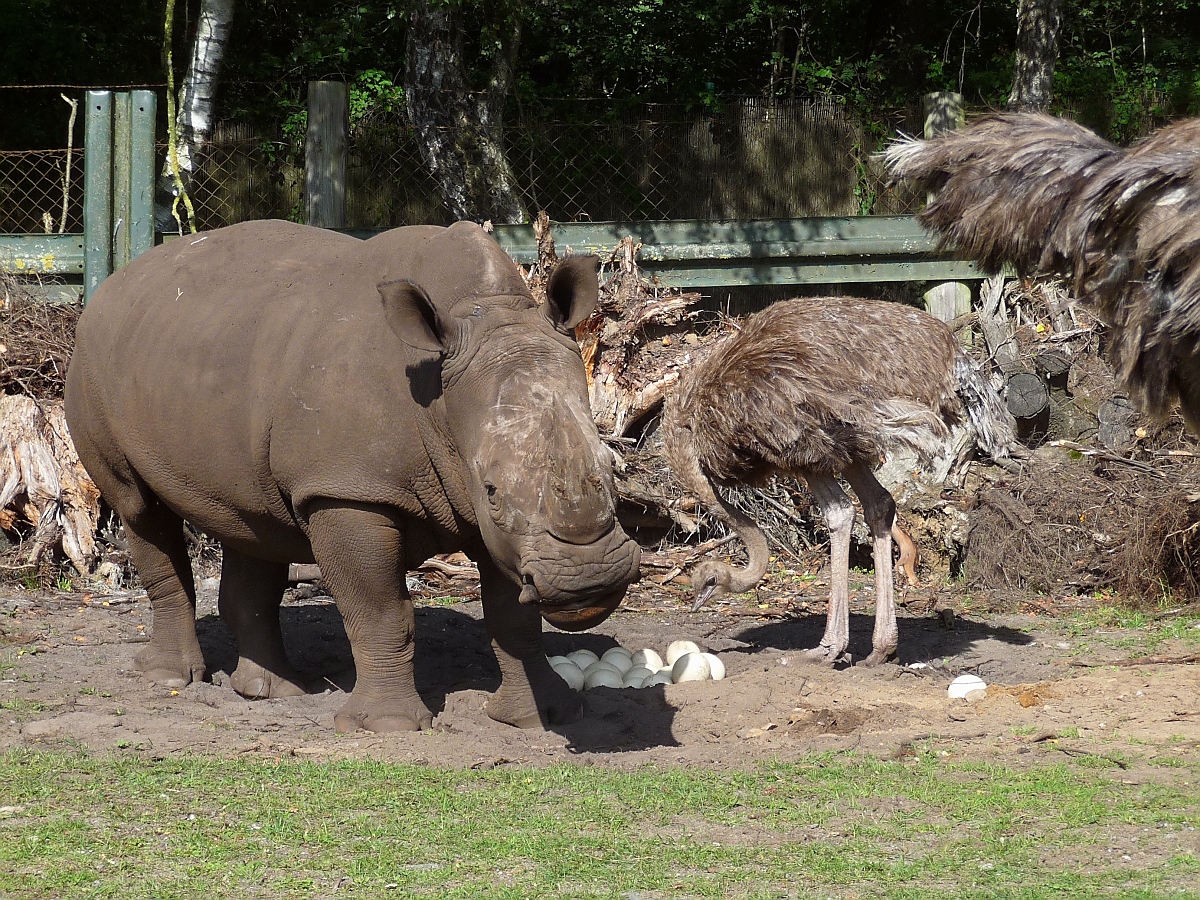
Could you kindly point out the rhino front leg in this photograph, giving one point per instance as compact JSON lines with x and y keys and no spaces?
{"x":360,"y":551}
{"x":251,"y":591}
{"x":531,"y":694}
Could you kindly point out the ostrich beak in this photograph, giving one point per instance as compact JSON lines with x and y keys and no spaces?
{"x":703,"y":596}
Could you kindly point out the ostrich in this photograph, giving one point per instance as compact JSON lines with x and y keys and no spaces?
{"x":814,"y":388}
{"x":1052,"y":197}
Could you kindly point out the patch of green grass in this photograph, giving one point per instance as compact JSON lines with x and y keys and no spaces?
{"x":21,"y":707}
{"x":830,"y":825}
{"x":441,"y":601}
{"x":1148,"y":632}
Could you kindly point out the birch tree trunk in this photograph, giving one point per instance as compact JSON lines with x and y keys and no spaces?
{"x":197,"y":94}
{"x":461,"y":132}
{"x":1038,"y":22}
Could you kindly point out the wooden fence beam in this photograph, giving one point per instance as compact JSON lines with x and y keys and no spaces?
{"x":951,"y":299}
{"x":325,"y":149}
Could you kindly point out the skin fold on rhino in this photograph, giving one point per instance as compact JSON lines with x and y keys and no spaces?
{"x":300,"y":396}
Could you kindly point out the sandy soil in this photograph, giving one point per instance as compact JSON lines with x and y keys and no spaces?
{"x":66,"y":663}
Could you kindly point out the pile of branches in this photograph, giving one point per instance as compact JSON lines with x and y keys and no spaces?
{"x":634,"y":346}
{"x":1110,"y":500}
{"x":1087,"y":520}
{"x":36,"y":340}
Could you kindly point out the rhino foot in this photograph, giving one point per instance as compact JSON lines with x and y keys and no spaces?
{"x":173,"y":670}
{"x":549,"y":704}
{"x":254,"y":682}
{"x":382,"y":716}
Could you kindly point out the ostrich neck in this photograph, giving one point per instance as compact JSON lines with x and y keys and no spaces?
{"x":743,"y":578}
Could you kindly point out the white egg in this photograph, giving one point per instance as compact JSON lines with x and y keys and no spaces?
{"x":569,"y":672}
{"x":637,"y":674}
{"x":663,"y":677}
{"x":603,"y":676}
{"x":965,"y":684}
{"x":715,"y":666}
{"x":648,"y":658}
{"x":678,"y":648}
{"x":601,"y":664}
{"x":556,"y":660}
{"x":582,"y":658}
{"x":619,"y":657}
{"x":690,"y":667}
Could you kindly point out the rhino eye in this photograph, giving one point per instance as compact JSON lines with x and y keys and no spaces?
{"x":491,"y":491}
{"x":477,"y":311}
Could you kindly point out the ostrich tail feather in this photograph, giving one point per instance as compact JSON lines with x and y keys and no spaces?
{"x":993,"y":423}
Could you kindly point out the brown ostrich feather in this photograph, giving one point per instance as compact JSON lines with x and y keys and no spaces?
{"x":1053,"y":198}
{"x":815,"y":384}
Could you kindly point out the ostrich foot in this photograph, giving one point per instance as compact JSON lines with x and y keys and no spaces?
{"x":879,"y":657}
{"x":824,"y":655}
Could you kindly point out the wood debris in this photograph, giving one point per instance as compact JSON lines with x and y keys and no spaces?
{"x":43,"y":484}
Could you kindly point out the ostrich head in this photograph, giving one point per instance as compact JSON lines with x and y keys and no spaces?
{"x":712,"y":579}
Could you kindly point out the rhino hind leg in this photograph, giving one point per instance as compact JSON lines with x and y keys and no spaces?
{"x":173,"y":657}
{"x":359,"y":548}
{"x":250,"y":594}
{"x":531,"y":694}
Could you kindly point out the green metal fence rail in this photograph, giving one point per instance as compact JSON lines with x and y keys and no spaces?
{"x":699,"y":254}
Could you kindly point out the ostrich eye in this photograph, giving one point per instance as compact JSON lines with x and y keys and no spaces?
{"x":710,"y":581}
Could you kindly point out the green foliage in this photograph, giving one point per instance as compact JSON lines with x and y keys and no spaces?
{"x":1123,"y":68}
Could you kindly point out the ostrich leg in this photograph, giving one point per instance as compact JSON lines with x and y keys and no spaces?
{"x":879,"y":509}
{"x":838,"y":511}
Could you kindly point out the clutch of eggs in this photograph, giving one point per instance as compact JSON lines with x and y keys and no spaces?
{"x":619,"y":667}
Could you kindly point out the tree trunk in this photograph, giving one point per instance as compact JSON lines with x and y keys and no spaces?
{"x":461,"y":133}
{"x":1038,"y":22}
{"x":194,"y":114}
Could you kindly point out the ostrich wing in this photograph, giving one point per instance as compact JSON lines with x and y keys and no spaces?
{"x":1053,"y":198}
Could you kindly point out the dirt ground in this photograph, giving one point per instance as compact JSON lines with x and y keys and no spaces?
{"x":66,"y":666}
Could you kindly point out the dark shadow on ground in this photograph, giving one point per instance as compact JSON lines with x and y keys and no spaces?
{"x":454,"y":653}
{"x":921,"y":639}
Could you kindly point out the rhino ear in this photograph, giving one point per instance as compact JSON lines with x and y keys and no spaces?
{"x":410,"y":314}
{"x":573,"y":289}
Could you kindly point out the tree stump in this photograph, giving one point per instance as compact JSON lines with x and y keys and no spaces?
{"x":1028,"y":400}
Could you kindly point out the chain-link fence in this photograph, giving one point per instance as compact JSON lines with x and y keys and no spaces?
{"x":33,"y":184}
{"x":753,"y":159}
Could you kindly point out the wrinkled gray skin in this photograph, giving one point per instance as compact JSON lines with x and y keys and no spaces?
{"x":303,"y":396}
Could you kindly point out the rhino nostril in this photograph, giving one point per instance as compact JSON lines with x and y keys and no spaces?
{"x":529,"y":593}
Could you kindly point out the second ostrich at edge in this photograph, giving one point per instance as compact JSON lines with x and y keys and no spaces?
{"x":814,"y":388}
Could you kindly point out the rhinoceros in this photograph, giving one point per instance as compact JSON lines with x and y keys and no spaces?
{"x":304,"y":396}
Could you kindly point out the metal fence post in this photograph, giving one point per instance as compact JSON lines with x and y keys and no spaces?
{"x":97,"y":196}
{"x":122,"y":138}
{"x":118,"y":165}
{"x":143,"y":116}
